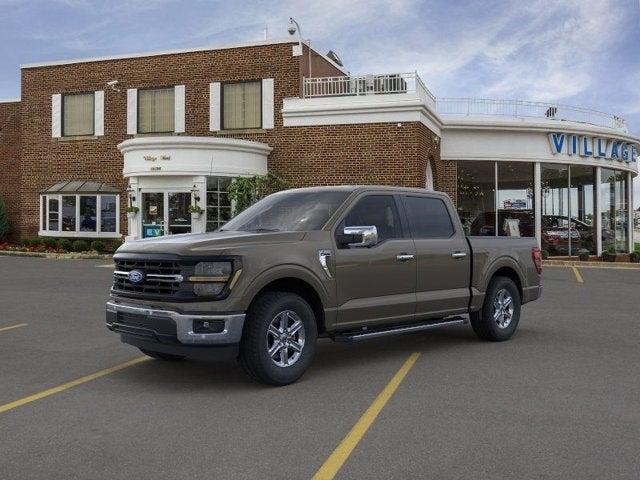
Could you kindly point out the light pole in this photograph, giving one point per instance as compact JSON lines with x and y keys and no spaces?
{"x":292,"y":29}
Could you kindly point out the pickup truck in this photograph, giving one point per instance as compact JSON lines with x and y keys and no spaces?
{"x":346,"y":263}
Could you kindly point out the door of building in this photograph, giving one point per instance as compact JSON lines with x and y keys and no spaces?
{"x":165,"y":213}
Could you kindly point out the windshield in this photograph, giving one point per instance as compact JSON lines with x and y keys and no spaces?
{"x":289,"y":211}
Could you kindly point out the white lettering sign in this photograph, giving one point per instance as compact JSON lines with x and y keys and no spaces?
{"x":597,"y":147}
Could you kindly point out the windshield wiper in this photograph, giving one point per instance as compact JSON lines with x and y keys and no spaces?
{"x":262,"y":230}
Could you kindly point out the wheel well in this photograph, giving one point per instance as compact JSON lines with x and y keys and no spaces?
{"x":302,"y":288}
{"x":509,"y":273}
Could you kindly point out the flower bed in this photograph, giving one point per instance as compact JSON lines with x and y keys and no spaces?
{"x":48,"y":245}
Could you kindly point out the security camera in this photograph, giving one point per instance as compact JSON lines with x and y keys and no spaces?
{"x":292,"y":27}
{"x":112,"y":84}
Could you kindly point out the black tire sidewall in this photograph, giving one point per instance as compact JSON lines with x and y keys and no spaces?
{"x":496,"y":333}
{"x":254,"y":342}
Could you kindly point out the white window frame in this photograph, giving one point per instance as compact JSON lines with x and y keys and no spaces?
{"x":44,"y":228}
{"x":95,"y":115}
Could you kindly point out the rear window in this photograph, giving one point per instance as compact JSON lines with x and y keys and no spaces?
{"x":428,"y":217}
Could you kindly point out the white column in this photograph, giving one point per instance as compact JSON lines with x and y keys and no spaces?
{"x":630,"y":211}
{"x":598,"y":209}
{"x":200,"y":225}
{"x":537,"y":201}
{"x":134,"y":224}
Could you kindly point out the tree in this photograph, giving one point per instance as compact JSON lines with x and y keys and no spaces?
{"x":4,"y":221}
{"x":245,"y":191}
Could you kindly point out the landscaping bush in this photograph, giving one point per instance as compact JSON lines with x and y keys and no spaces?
{"x":49,"y":242}
{"x":65,"y":244}
{"x":583,"y":254}
{"x":113,"y":245}
{"x":545,"y":254}
{"x":98,"y":246}
{"x":610,"y":254}
{"x":80,"y":246}
{"x":634,"y":257}
{"x":35,"y":242}
{"x":25,"y":242}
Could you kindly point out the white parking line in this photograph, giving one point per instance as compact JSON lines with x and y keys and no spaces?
{"x":105,"y":266}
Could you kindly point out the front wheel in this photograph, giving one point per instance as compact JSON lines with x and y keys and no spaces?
{"x":279,"y":338}
{"x":500,"y":314}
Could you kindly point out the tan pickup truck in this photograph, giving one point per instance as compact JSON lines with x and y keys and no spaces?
{"x":348,"y":263}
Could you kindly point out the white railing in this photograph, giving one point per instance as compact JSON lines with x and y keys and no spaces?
{"x":526,"y":109}
{"x":355,"y":85}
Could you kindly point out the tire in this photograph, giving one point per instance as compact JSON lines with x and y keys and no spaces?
{"x":161,"y":356}
{"x":272,"y":350}
{"x":498,"y":327}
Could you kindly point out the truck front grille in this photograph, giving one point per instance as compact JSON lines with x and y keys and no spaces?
{"x":163,"y":278}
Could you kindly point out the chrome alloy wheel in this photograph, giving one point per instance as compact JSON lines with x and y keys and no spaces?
{"x":503,"y":308}
{"x":285,"y":338}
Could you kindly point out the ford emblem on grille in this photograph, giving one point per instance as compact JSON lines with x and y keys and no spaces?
{"x":136,"y":277}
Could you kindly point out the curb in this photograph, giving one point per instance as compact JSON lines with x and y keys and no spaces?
{"x":57,"y":256}
{"x":603,"y":265}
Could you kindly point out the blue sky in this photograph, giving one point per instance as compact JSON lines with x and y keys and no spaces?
{"x":581,"y":52}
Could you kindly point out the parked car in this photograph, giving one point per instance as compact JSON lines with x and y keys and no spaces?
{"x":347,"y":263}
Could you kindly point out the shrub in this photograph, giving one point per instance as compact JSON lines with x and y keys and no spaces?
{"x":98,"y":246}
{"x":25,"y":242}
{"x":583,"y":254}
{"x":4,"y":221}
{"x":35,"y":242}
{"x":65,"y":244}
{"x":113,"y":245}
{"x":545,"y":254}
{"x":49,"y":242}
{"x":80,"y":246}
{"x":634,"y":257}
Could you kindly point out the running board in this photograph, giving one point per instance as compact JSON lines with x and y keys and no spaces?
{"x":396,"y":330}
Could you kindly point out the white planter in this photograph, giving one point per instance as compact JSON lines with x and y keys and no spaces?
{"x":131,"y":215}
{"x":196,"y":216}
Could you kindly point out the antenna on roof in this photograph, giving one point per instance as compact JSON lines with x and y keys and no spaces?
{"x":334,"y":56}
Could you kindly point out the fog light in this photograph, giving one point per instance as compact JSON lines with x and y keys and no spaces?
{"x":208,"y":289}
{"x":208,"y":326}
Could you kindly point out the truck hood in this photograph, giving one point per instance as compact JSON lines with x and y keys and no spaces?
{"x":207,"y":243}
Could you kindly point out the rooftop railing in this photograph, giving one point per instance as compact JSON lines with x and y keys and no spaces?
{"x":356,"y":85}
{"x":526,"y":109}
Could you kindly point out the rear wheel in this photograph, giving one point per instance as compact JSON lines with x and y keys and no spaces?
{"x":161,"y":355}
{"x":279,"y":339}
{"x":500,"y":314}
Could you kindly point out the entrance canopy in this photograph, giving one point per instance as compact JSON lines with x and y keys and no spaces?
{"x":81,"y":186}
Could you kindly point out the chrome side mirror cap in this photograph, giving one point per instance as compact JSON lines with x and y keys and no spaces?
{"x":362,"y":236}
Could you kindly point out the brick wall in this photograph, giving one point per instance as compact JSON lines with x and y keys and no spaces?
{"x":444,"y":171}
{"x":9,"y":160}
{"x":323,"y":155}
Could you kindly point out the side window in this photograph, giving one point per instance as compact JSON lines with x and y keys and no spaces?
{"x":428,"y":217}
{"x":378,"y":210}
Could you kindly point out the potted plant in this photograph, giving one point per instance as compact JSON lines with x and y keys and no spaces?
{"x":610,"y":254}
{"x":583,"y":255}
{"x":195,"y":211}
{"x":132,"y":211}
{"x":634,"y":257}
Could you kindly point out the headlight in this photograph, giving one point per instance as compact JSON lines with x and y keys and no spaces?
{"x":210,"y":278}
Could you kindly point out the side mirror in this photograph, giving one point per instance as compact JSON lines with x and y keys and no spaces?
{"x":358,"y":237}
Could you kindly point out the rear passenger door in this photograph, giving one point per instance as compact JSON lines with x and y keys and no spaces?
{"x":442,"y":257}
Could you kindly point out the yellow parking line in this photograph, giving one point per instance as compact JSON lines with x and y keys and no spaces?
{"x":66,"y":386}
{"x":4,"y":329}
{"x":334,"y":463}
{"x":577,"y":274}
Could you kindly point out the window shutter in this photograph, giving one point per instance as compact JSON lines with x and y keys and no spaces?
{"x":98,"y":112}
{"x":179,"y":99}
{"x":267,"y":103}
{"x":132,"y":111}
{"x":215,"y":112}
{"x":56,"y":115}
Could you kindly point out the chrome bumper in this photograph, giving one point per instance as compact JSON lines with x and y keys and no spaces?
{"x":231,"y":333}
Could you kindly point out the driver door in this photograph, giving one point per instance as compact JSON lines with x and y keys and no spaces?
{"x":376,"y":285}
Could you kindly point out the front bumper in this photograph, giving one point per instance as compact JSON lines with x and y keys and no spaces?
{"x":172,"y":327}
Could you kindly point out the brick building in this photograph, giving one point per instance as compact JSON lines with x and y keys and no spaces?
{"x":163,"y":131}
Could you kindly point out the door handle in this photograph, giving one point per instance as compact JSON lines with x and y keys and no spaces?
{"x":404,"y":257}
{"x":459,"y":254}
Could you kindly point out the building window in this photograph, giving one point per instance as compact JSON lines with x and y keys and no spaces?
{"x":516,"y":200}
{"x":582,"y":196}
{"x":477,"y":197}
{"x":78,"y":216}
{"x":78,"y":114}
{"x":615,"y":217}
{"x":156,"y":110}
{"x":218,"y":203}
{"x":242,"y":105}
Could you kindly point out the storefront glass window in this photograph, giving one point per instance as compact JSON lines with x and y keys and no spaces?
{"x":476,"y":197}
{"x":108,"y":213}
{"x":218,"y":203}
{"x":69,"y":213}
{"x":87,"y":214}
{"x":582,"y":208}
{"x":555,"y":209}
{"x":515,"y":200}
{"x":613,"y":201}
{"x":54,"y":204}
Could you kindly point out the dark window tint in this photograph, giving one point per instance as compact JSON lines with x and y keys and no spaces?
{"x":428,"y":217}
{"x":378,"y":210}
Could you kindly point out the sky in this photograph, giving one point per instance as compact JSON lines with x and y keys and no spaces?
{"x":577,"y":52}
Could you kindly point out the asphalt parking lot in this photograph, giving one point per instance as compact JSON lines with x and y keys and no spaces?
{"x":560,"y":400}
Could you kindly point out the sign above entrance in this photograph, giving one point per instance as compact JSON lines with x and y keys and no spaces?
{"x":589,"y":146}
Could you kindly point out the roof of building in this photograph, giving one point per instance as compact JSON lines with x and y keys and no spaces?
{"x":81,"y":186}
{"x":177,"y":51}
